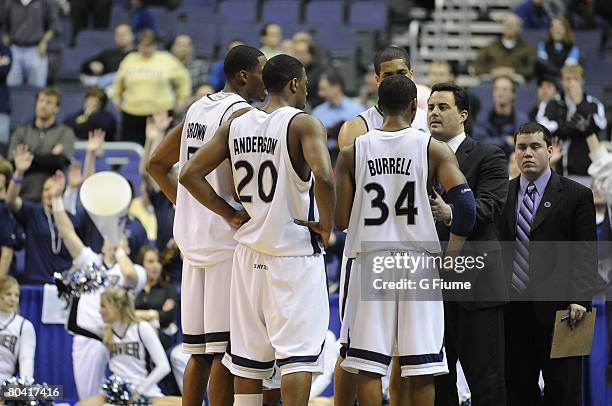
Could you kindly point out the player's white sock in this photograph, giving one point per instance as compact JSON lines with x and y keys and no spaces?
{"x":248,"y":400}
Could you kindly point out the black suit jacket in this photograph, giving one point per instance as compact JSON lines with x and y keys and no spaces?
{"x":562,"y":252}
{"x":486,"y":170}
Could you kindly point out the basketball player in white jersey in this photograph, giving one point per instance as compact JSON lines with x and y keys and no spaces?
{"x":17,"y":335}
{"x":387,"y":62}
{"x":205,"y":239}
{"x":135,"y":352}
{"x":396,"y":165}
{"x":279,"y":307}
{"x":89,"y":356}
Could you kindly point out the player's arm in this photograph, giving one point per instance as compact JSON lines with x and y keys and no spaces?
{"x":313,"y":138}
{"x":163,"y":158}
{"x":350,"y":130}
{"x":204,"y":161}
{"x":444,"y":167}
{"x":345,"y":186}
{"x":71,"y":240}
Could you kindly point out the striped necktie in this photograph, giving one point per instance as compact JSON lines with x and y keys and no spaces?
{"x":526,"y":213}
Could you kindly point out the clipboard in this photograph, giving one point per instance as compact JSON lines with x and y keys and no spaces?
{"x":572,"y":343}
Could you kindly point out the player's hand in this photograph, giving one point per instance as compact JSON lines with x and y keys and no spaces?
{"x":323,"y":233}
{"x":239,"y":218}
{"x":440,"y":210}
{"x":576,"y":312}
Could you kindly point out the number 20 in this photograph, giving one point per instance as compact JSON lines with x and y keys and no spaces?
{"x":266,"y":197}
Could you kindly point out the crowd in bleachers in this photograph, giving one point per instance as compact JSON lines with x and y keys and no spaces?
{"x":76,"y":76}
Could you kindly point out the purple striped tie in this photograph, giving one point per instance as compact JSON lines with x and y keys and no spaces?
{"x":520,"y":276}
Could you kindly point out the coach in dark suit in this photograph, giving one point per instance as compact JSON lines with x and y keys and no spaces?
{"x":551,"y":264}
{"x":474,"y":318}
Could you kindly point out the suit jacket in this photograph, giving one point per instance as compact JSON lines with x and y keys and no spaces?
{"x":562,"y":251}
{"x":486,"y":170}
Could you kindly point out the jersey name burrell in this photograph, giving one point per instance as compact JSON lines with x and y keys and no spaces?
{"x":269,"y":188}
{"x":391,"y":203}
{"x":203,"y":237}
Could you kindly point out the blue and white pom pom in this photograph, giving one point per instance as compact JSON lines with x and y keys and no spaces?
{"x":24,"y":385}
{"x":119,"y":391}
{"x":81,"y":281}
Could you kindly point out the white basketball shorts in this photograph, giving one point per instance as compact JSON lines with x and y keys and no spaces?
{"x":412,"y":330}
{"x":279,"y":310}
{"x":205,"y":308}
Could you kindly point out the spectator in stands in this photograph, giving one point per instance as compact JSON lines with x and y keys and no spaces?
{"x":534,"y":14}
{"x":11,"y":233}
{"x":82,"y":11}
{"x":572,"y":118}
{"x":141,"y":17}
{"x":157,"y":301}
{"x":497,"y":125}
{"x":162,"y":207}
{"x":368,"y":93}
{"x":28,"y":26}
{"x":203,"y":90}
{"x":6,"y":61}
{"x":182,"y":49}
{"x":581,"y":14}
{"x":336,"y":108}
{"x":558,"y":50}
{"x":547,"y":90}
{"x":100,"y":70}
{"x":444,"y":72}
{"x":303,"y":52}
{"x":270,"y":37}
{"x":51,"y":143}
{"x":510,"y":55}
{"x":148,"y":81}
{"x":93,"y":116}
{"x":216,"y":77}
{"x":45,"y":253}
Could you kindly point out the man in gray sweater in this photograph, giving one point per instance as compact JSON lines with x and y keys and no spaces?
{"x":51,"y":143}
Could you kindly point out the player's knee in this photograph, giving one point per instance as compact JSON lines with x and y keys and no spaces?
{"x":202,"y":359}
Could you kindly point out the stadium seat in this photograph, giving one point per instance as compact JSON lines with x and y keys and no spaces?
{"x":281,"y":12}
{"x":204,"y":36}
{"x":336,"y":38}
{"x":22,"y":100}
{"x":324,"y":12}
{"x":98,"y":39}
{"x":238,"y":11}
{"x":72,"y":59}
{"x":369,"y":14}
{"x":249,"y":33}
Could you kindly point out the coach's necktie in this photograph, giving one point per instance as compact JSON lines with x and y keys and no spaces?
{"x":526,"y":213}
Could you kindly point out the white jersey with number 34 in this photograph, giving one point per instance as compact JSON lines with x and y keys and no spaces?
{"x":391,"y":203}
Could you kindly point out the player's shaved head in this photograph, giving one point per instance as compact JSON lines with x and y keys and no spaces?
{"x":390,"y":54}
{"x":395,"y":94}
{"x":280,"y":70}
{"x":241,"y":57}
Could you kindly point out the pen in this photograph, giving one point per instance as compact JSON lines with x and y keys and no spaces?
{"x":566,"y":317}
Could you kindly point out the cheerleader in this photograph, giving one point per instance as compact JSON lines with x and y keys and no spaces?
{"x":134,"y":349}
{"x":89,"y":357}
{"x":17,"y":335}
